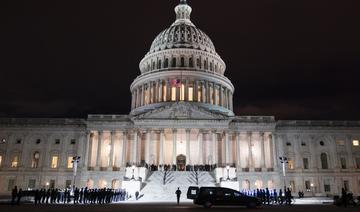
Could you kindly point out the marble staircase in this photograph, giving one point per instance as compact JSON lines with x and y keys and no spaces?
{"x":154,"y":189}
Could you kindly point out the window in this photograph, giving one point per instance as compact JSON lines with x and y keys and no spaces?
{"x":306,"y":163}
{"x":303,"y":144}
{"x":54,"y":162}
{"x":38,"y":141}
{"x":340,"y":142}
{"x":324,"y":161}
{"x":69,"y":162}
{"x":11,"y":184}
{"x":288,"y":144}
{"x":191,"y":94}
{"x":15,"y":161}
{"x":357,"y":161}
{"x":327,"y":187}
{"x":307,"y":186}
{"x":322,"y":143}
{"x":32,"y":184}
{"x":173,"y":93}
{"x":173,"y":63}
{"x":199,"y":93}
{"x":18,"y":141}
{"x":35,"y":160}
{"x":343,"y":163}
{"x":182,"y":62}
{"x":182,"y":92}
{"x":166,"y":63}
{"x":164,"y":92}
{"x":57,"y":141}
{"x":355,"y":142}
{"x":191,"y":62}
{"x":290,"y":164}
{"x":73,"y":141}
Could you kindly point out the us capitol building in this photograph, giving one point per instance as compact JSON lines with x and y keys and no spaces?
{"x":181,"y":115}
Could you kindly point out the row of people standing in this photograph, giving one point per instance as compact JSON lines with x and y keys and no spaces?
{"x":272,"y":196}
{"x":66,"y":196}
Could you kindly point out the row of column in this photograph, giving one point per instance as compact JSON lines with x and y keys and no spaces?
{"x":135,"y":148}
{"x":185,"y":90}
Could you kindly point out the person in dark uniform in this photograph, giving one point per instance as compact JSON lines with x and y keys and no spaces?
{"x":19,"y":196}
{"x":36,"y":198}
{"x":178,"y":194}
{"x":344,"y":197}
{"x":14,"y":194}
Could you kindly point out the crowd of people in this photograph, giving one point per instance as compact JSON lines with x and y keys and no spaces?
{"x":272,"y":196}
{"x":67,"y":196}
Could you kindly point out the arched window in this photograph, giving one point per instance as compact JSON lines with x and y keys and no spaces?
{"x":153,"y":66}
{"x":159,"y":64}
{"x":173,"y":63}
{"x":166,"y":63}
{"x":182,"y":62}
{"x":324,"y":161}
{"x":191,"y":62}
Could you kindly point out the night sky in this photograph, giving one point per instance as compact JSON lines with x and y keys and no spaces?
{"x":290,"y":59}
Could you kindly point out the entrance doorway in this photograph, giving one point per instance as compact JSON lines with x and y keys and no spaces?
{"x":181,"y":162}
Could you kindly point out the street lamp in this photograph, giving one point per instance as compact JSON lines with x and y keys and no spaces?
{"x":75,"y":162}
{"x":228,"y":175}
{"x":283,"y":161}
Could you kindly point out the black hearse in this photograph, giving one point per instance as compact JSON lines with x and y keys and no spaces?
{"x":209,"y":196}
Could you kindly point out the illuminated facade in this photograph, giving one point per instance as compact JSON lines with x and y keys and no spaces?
{"x":181,"y":114}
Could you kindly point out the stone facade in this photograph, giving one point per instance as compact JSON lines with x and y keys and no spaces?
{"x":182,"y":107}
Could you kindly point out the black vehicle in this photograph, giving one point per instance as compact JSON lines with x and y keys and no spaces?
{"x":209,"y":196}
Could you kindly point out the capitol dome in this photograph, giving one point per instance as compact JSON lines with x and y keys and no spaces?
{"x":182,"y":66}
{"x":182,"y":35}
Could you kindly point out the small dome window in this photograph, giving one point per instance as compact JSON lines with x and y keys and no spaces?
{"x":322,"y":143}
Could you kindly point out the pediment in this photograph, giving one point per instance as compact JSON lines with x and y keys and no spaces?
{"x":181,"y":111}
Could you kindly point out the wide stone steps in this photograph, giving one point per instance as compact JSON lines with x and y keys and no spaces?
{"x":154,"y":188}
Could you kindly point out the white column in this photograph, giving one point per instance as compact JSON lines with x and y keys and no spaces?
{"x":98,"y":154}
{"x":134,"y":149}
{"x":272,"y":151}
{"x":195,"y":95}
{"x":123,"y":155}
{"x":250,"y":159}
{"x":157,"y":92}
{"x":147,"y":147}
{"x":227,"y":148}
{"x":138,"y":96}
{"x":231,"y":106}
{"x":174,"y":132}
{"x":203,"y":91}
{"x":111,"y":161}
{"x":207,"y":92}
{"x":168,"y":91}
{"x":262,"y":146}
{"x":238,"y":150}
{"x":161,"y":158}
{"x":201,"y":147}
{"x":215,"y":149}
{"x":89,"y":152}
{"x":221,"y":95}
{"x":142,"y":95}
{"x":188,"y":159}
{"x":186,"y":90}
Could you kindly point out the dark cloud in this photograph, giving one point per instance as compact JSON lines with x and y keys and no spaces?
{"x":291,"y":59}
